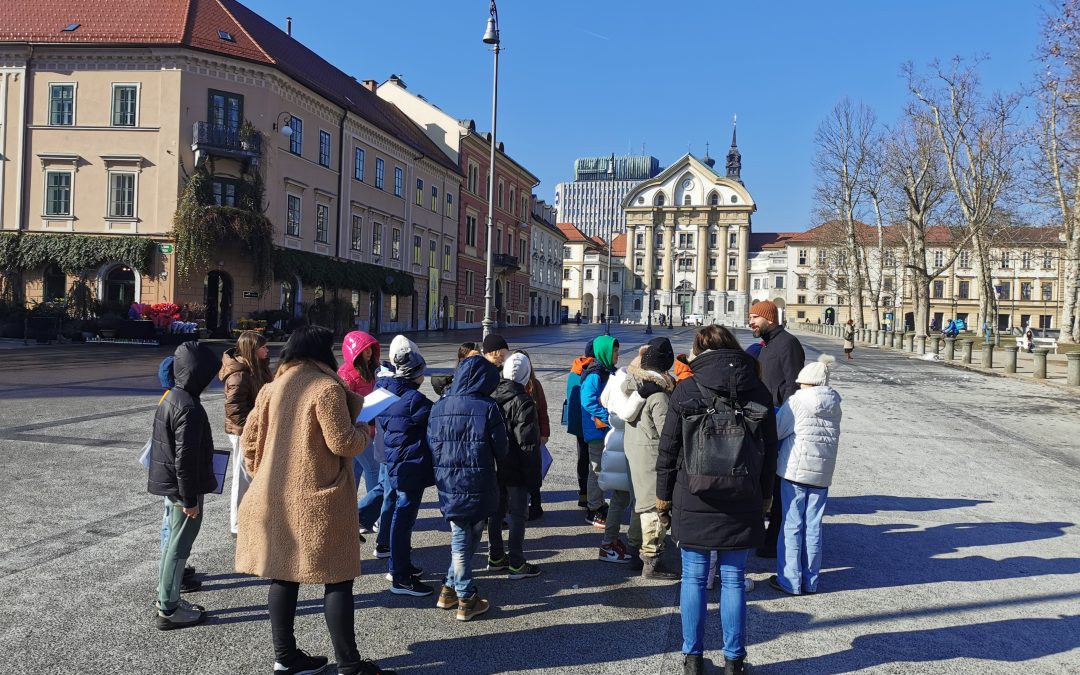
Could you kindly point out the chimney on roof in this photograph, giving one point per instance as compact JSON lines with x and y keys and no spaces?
{"x":396,"y":79}
{"x":370,"y":85}
{"x":288,"y":26}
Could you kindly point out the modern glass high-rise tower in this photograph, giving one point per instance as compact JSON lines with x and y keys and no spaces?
{"x":592,"y":201}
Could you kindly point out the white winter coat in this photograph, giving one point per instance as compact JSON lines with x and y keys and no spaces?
{"x":808,"y":426}
{"x":614,"y":468}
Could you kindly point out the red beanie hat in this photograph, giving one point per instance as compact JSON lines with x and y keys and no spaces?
{"x":766,"y":310}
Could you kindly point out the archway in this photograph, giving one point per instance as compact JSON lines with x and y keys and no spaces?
{"x":119,"y":287}
{"x":54,"y":284}
{"x":290,"y":294}
{"x":781,"y":309}
{"x":217,"y":294}
{"x":615,"y":306}
{"x":586,"y":307}
{"x":444,"y":313}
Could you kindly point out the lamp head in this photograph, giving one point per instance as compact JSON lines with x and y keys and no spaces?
{"x":286,"y":126}
{"x":491,"y":35}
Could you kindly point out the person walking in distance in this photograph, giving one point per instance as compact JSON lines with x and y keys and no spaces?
{"x":244,"y":370}
{"x":808,"y":425}
{"x":518,"y":473}
{"x":298,"y":520}
{"x":572,"y":422}
{"x":781,"y":359}
{"x":408,"y":462}
{"x":467,"y":435}
{"x":594,"y":421}
{"x":361,"y":353}
{"x":714,"y":478}
{"x":182,"y":470}
{"x":849,"y":338}
{"x":648,"y":387}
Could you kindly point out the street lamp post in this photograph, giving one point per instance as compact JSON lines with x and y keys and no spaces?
{"x":491,"y":37}
{"x":610,"y":232}
{"x":954,"y":307}
{"x":648,"y":319}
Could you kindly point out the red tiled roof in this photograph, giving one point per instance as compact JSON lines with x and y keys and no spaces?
{"x":618,"y":246}
{"x":572,"y":234}
{"x":195,"y":24}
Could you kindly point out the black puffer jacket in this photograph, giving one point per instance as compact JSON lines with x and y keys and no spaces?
{"x":702,"y":522}
{"x":181,"y":452}
{"x":522,"y":464}
{"x":781,"y":359}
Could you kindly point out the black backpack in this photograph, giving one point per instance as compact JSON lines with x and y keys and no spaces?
{"x":723,"y":447}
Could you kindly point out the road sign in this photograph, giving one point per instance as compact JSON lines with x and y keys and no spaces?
{"x":165,"y":249}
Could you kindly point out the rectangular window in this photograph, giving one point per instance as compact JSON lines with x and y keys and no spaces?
{"x":376,"y":239}
{"x":433,"y":254}
{"x":358,"y":164}
{"x":712,"y":284}
{"x":419,"y":191}
{"x":639,"y":264}
{"x":964,"y":290}
{"x":121,"y":195}
{"x":58,"y":193}
{"x":639,"y":241}
{"x":61,"y":104}
{"x":779,"y":282}
{"x":1048,"y":260}
{"x":449,"y":205}
{"x":296,"y":138}
{"x":523,"y":248}
{"x":434,"y":199}
{"x":965,"y":260}
{"x":588,"y":274}
{"x":292,"y":218}
{"x":1025,"y":290}
{"x":324,"y":148}
{"x":470,"y":230}
{"x":801,"y":299}
{"x":732,"y":264}
{"x":1004,"y":290}
{"x":417,"y":246}
{"x":380,"y":174}
{"x":939,"y":259}
{"x":731,"y":284}
{"x":685,"y":264}
{"x":1045,"y":321}
{"x":820,"y":299}
{"x":887,"y":283}
{"x":803,"y":255}
{"x":566,"y":292}
{"x":470,"y":279}
{"x":801,"y":283}
{"x":822,"y":257}
{"x":124,"y":105}
{"x":713,"y":240}
{"x":889,"y":259}
{"x":712,"y":264}
{"x":1047,"y":292}
{"x":474,"y":178}
{"x":686,"y":240}
{"x":566,"y":274}
{"x":322,"y":223}
{"x":224,"y":192}
{"x":733,"y":240}
{"x":822,"y":282}
{"x":225,"y":111}
{"x":357,"y":233}
{"x":395,"y":244}
{"x":1004,"y":260}
{"x":939,"y":289}
{"x":757,"y":284}
{"x":447,"y":257}
{"x":1025,"y":260}
{"x":393,"y":308}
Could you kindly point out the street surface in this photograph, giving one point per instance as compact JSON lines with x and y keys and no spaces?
{"x":951,"y":543}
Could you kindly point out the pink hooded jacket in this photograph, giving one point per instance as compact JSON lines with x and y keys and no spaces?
{"x":351,"y":347}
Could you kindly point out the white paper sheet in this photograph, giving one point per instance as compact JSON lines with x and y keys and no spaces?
{"x":375,"y":403}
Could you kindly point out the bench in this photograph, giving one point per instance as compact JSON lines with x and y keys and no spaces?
{"x":1049,"y":343}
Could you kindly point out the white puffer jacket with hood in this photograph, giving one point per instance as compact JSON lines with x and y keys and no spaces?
{"x":808,"y":426}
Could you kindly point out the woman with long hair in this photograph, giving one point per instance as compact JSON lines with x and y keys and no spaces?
{"x":714,"y":480}
{"x":361,"y":353}
{"x":298,"y":521}
{"x":245,"y":368}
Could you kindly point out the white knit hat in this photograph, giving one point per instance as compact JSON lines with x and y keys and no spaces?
{"x":517,"y":368}
{"x":405,"y":355}
{"x":816,"y":373}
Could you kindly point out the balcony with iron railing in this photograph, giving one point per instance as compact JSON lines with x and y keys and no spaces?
{"x":225,"y":141}
{"x":504,"y":261}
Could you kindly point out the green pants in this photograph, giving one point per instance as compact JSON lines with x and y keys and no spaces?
{"x":182,"y":533}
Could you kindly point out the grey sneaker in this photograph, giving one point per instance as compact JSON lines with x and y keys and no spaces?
{"x":525,"y":571}
{"x":183,"y":616}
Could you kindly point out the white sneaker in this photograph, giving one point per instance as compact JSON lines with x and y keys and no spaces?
{"x":614,"y":552}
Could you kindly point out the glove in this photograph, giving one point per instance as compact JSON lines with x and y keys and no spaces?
{"x":663,"y":513}
{"x":648,"y":388}
{"x":600,"y":424}
{"x":766,"y":505}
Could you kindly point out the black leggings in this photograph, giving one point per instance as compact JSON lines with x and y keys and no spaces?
{"x":338,"y":608}
{"x":582,"y":465}
{"x":772,"y":534}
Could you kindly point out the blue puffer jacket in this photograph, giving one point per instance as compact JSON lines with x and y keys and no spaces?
{"x":592,"y":385}
{"x":404,"y":430}
{"x":467,"y":434}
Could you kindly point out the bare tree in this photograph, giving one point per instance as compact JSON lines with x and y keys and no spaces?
{"x":977,"y":138}
{"x":844,"y":146}
{"x":1060,"y":144}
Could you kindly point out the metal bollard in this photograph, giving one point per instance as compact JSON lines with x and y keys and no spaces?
{"x":966,"y":357}
{"x":950,"y":348}
{"x":1040,"y":363}
{"x":988,"y":355}
{"x":1010,"y":359}
{"x":1074,"y":368}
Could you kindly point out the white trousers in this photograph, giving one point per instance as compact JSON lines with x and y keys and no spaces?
{"x":240,"y":481}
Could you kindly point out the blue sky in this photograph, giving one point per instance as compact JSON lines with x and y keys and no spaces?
{"x":593,"y":77}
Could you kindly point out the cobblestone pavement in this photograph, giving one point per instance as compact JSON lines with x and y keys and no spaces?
{"x":951,"y":543}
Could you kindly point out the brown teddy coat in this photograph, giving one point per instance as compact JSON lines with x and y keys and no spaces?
{"x":297,"y":521}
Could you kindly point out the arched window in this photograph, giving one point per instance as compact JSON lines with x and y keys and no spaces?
{"x":637,"y":304}
{"x":714,"y":199}
{"x":712,"y":306}
{"x":686,"y":200}
{"x":120,"y":286}
{"x":731,"y":305}
{"x":659,"y":199}
{"x":54,"y":283}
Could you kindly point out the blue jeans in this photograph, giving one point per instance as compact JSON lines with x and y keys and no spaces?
{"x":693,"y":600}
{"x":798,"y":551}
{"x":386,"y":511}
{"x":513,"y":503}
{"x":464,"y":539}
{"x":406,"y":506}
{"x":370,"y":504}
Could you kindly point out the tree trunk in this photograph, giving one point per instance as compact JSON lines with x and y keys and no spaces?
{"x":1070,"y":327}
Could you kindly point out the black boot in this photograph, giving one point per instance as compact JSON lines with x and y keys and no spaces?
{"x":654,"y":569}
{"x":693,"y":664}
{"x":737,"y":667}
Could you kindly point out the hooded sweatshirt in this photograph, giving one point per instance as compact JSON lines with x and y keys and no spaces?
{"x":594,"y":416}
{"x":351,"y":347}
{"x":572,"y":402}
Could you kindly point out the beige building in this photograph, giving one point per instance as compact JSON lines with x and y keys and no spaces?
{"x":688,"y":234}
{"x":113,"y":125}
{"x":585,"y":267}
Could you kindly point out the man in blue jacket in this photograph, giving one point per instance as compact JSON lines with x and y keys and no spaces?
{"x":467,"y":435}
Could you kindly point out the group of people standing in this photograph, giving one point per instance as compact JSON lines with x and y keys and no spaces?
{"x":646,"y":436}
